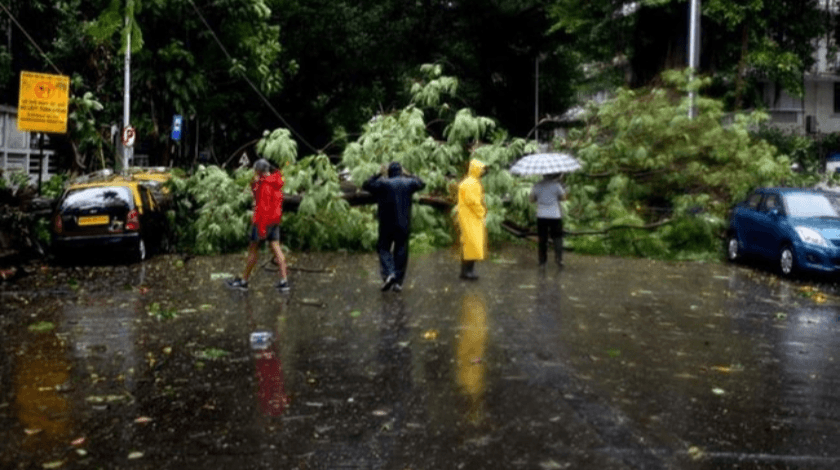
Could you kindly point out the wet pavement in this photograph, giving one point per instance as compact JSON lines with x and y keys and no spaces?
{"x":607,"y":364}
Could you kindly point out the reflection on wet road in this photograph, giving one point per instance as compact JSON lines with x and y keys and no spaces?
{"x":608,"y":364}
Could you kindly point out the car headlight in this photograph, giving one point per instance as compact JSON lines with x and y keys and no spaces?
{"x":811,"y":236}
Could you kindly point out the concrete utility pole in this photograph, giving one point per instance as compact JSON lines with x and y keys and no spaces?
{"x":537,"y":100}
{"x":127,"y":88}
{"x":693,"y":50}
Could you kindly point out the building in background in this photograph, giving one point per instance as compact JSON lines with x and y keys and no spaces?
{"x":19,"y":151}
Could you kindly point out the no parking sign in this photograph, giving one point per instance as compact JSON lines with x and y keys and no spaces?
{"x":128,"y":136}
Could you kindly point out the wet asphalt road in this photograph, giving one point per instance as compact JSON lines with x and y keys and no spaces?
{"x":607,"y":364}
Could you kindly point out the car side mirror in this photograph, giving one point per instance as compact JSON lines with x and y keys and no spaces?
{"x":774,"y":212}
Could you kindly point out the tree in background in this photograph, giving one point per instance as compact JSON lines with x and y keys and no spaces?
{"x":743,"y":41}
{"x":180,"y":65}
{"x":356,"y":56}
{"x":196,"y":59}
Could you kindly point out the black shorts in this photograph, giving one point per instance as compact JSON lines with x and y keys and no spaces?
{"x":272,"y":233}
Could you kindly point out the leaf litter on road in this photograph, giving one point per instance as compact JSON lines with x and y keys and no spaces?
{"x":41,"y":327}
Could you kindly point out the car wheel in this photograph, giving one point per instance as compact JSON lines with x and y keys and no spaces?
{"x":787,"y":262}
{"x":733,"y":250}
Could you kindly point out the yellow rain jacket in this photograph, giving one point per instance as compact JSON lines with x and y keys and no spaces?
{"x":471,"y":213}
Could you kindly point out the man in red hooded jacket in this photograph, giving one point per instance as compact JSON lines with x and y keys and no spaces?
{"x":267,"y":188}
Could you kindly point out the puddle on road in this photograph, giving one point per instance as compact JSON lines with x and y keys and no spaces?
{"x":611,"y":363}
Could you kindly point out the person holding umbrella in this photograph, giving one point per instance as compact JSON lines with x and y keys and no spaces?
{"x":471,"y":214}
{"x":547,"y":193}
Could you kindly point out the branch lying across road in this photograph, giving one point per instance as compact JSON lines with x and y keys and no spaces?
{"x":291,"y":202}
{"x":522,"y":232}
{"x":357,"y":197}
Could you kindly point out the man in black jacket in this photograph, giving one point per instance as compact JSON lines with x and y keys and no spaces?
{"x":393,"y":195}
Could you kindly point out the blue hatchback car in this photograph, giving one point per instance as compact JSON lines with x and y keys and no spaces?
{"x":797,"y":228}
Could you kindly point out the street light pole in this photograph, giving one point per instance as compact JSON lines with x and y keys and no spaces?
{"x":537,"y":100}
{"x":127,"y":88}
{"x":693,"y":51}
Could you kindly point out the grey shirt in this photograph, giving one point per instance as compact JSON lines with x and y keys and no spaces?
{"x":547,"y":193}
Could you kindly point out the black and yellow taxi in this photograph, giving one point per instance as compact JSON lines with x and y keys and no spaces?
{"x":108,"y":213}
{"x":155,"y":178}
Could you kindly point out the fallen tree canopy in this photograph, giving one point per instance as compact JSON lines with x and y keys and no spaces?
{"x":653,"y":182}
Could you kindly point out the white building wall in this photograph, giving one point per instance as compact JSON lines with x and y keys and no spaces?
{"x":820,"y":104}
{"x":16,"y":153}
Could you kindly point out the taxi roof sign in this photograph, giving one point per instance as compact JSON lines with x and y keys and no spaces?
{"x":42,"y":103}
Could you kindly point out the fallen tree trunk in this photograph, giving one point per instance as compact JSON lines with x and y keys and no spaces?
{"x":356,"y":197}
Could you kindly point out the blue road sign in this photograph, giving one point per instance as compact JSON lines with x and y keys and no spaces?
{"x":176,"y":127}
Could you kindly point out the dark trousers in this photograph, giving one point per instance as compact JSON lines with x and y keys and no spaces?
{"x":393,"y":254}
{"x":554,"y":229}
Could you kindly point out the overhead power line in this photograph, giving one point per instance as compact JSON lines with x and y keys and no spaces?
{"x":256,"y":90}
{"x":34,"y":44}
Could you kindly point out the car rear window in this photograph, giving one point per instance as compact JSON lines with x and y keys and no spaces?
{"x":109,"y":196}
{"x":809,"y":205}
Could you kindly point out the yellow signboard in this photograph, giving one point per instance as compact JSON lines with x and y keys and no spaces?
{"x":42,"y":105}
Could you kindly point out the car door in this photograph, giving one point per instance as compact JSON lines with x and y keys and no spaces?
{"x":745,"y":224}
{"x":768,"y":219}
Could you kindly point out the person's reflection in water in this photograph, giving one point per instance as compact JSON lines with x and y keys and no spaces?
{"x":393,"y":384}
{"x":271,"y":392}
{"x":470,"y":360}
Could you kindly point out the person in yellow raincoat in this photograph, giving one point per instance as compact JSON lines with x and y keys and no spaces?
{"x":471,"y":214}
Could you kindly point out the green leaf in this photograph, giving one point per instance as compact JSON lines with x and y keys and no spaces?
{"x":42,"y":327}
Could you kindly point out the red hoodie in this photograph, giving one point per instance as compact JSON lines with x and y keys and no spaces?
{"x":268,"y":194}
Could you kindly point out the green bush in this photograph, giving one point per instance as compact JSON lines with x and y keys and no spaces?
{"x":647,"y":164}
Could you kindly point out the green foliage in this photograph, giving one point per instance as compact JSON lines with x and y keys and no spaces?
{"x":211,"y":207}
{"x":777,"y":37}
{"x":83,"y":129}
{"x":645,"y":162}
{"x":15,"y":179}
{"x":278,"y":147}
{"x":54,"y":186}
{"x":161,"y":312}
{"x":115,"y":19}
{"x":441,"y":160}
{"x":324,"y":221}
{"x":808,"y":153}
{"x":210,"y":211}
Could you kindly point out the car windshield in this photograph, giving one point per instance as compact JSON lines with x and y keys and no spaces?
{"x":809,"y":205}
{"x":110,"y":196}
